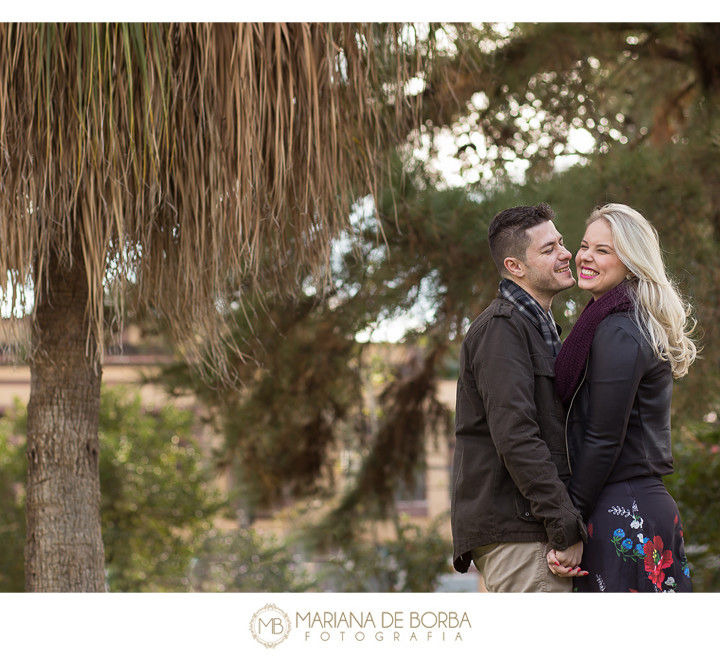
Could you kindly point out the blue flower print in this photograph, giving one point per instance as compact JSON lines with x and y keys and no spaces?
{"x":624,"y":546}
{"x":685,"y":566}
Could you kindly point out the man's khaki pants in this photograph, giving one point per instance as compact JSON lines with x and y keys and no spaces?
{"x":518,"y":567}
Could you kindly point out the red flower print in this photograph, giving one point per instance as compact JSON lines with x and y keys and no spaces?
{"x":656,"y":560}
{"x":590,"y":529}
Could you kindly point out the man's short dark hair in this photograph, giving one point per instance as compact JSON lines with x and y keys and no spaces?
{"x":508,"y":232}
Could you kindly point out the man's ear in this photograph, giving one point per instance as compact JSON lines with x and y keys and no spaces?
{"x":515,"y":266}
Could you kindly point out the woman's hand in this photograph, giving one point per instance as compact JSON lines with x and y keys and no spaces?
{"x":566,"y":564}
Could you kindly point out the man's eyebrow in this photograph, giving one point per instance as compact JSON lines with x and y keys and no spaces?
{"x":551,"y":243}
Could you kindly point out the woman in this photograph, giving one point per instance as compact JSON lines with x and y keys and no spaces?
{"x":614,"y":374}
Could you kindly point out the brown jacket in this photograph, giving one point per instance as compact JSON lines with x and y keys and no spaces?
{"x":510,"y":467}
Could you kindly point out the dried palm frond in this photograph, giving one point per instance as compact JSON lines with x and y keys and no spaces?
{"x":191,"y":160}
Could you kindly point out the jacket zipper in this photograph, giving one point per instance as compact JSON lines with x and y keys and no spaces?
{"x":567,"y":416}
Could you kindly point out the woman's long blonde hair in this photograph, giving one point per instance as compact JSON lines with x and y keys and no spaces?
{"x":660,"y":311}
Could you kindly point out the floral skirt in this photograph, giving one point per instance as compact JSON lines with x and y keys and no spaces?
{"x":635,"y":541}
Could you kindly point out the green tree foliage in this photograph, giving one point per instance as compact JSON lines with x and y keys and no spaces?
{"x":413,"y":561}
{"x":694,"y":485}
{"x":12,"y":499}
{"x":515,"y":95}
{"x":282,"y":423}
{"x":159,"y":498}
{"x":244,"y":561}
{"x":160,"y":509}
{"x":159,"y":494}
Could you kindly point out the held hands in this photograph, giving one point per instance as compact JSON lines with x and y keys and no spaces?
{"x":566,"y":564}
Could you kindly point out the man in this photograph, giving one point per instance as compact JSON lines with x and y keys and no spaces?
{"x":509,"y":502}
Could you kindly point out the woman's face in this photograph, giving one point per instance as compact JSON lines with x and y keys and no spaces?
{"x":598,"y":267}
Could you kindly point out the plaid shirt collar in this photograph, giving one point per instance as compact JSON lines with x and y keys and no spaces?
{"x":528,"y":306}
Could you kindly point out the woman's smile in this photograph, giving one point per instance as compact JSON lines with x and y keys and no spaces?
{"x":598,"y":266}
{"x":587,"y":273}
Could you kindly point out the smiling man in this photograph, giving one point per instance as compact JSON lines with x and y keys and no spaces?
{"x":509,"y":502}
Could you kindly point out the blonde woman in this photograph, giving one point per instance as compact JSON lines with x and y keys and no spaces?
{"x":615,"y":374}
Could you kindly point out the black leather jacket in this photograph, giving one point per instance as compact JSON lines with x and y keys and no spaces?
{"x":618,"y":424}
{"x":510,"y":467}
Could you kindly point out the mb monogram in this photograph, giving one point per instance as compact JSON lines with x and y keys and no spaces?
{"x":270,"y":626}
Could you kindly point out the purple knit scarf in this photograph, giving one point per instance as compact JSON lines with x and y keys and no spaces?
{"x":570,"y":362}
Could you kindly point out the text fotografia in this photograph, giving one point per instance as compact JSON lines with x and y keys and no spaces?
{"x":385,"y":626}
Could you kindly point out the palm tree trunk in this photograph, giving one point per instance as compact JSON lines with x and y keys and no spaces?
{"x":64,"y":549}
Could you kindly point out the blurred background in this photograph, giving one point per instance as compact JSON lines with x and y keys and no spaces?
{"x":326,"y":466}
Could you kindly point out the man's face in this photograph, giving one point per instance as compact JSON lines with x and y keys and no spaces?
{"x":545,"y":270}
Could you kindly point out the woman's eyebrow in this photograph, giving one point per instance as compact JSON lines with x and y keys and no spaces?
{"x":599,"y":244}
